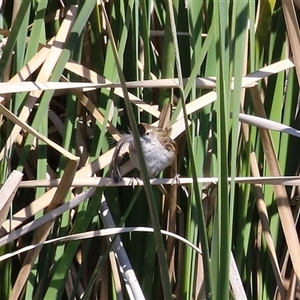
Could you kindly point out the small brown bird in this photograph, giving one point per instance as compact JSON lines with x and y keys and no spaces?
{"x":159,"y":150}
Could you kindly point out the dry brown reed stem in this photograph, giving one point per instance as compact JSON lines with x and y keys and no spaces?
{"x":45,"y":73}
{"x":263,"y":214}
{"x":283,"y":205}
{"x":42,"y":233}
{"x":8,"y":192}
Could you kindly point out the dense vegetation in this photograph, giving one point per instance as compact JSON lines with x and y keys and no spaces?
{"x":224,"y":74}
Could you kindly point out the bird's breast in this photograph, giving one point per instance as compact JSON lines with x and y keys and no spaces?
{"x":157,"y":157}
